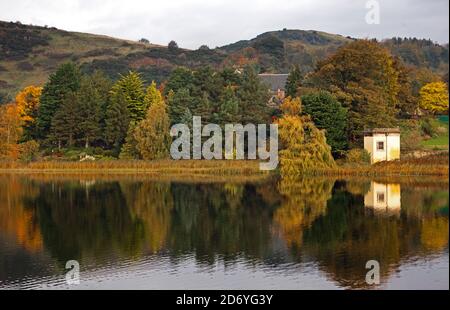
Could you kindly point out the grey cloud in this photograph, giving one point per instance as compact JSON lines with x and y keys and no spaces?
{"x":215,"y":23}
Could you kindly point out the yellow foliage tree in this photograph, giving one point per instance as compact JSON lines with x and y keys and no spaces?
{"x":27,"y":102}
{"x":152,"y":134}
{"x":304,"y":147}
{"x":10,"y":131}
{"x":434,"y":97}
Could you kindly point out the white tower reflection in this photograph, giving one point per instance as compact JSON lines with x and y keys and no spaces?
{"x":384,"y":198}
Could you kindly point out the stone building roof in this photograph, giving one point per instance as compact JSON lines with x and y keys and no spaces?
{"x":369,"y":132}
{"x":274,"y":81}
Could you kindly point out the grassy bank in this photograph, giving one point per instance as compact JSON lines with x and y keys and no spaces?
{"x":440,"y":140}
{"x":435,"y":165}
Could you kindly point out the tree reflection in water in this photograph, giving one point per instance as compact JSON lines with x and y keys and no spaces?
{"x":101,"y":221}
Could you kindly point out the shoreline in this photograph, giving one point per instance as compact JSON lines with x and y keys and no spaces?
{"x":433,"y":166}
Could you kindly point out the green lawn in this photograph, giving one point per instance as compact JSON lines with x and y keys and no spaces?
{"x":441,"y":141}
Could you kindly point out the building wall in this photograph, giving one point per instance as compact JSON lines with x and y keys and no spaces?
{"x":393,"y":144}
{"x":391,"y":149}
{"x":368,"y":145}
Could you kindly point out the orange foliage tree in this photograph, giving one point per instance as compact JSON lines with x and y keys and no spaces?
{"x":10,"y":131}
{"x":27,"y":102}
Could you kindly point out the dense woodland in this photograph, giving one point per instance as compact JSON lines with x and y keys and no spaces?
{"x":362,"y":84}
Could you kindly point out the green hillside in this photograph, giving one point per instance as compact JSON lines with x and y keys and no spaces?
{"x":28,"y":54}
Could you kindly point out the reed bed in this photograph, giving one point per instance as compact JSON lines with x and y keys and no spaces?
{"x":157,"y":168}
{"x":128,"y":177}
{"x":434,"y":165}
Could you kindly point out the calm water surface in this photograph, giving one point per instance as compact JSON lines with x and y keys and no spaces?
{"x":132,"y":233}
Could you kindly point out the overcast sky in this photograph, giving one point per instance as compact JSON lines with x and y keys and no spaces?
{"x":218,"y":22}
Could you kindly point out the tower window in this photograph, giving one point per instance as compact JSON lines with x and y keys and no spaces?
{"x":380,"y":146}
{"x":380,"y":197}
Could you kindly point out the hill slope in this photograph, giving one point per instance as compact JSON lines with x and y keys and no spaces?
{"x":28,"y":54}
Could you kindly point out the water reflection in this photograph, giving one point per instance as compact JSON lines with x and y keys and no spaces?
{"x":384,"y":198}
{"x":278,"y":226}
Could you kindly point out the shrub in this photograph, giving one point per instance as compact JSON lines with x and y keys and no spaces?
{"x":411,"y":135}
{"x":429,"y":127}
{"x":28,"y":151}
{"x":358,"y":156}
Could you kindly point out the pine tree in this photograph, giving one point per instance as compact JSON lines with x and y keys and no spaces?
{"x":65,"y":80}
{"x":103,"y":86}
{"x":66,"y":122}
{"x":229,"y":108}
{"x":90,"y":104}
{"x":253,"y":97}
{"x":293,"y":81}
{"x":180,"y":78}
{"x":117,"y":121}
{"x":186,"y":118}
{"x":178,"y":102}
{"x":131,"y":88}
{"x":204,"y":109}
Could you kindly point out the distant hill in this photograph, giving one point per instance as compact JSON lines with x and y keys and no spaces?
{"x":28,"y":54}
{"x":420,"y":53}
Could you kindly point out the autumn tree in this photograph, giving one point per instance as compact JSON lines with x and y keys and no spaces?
{"x":304,"y":147}
{"x":434,"y":97}
{"x":129,"y":149}
{"x":27,"y":101}
{"x":28,"y":150}
{"x":152,"y":134}
{"x":65,"y":80}
{"x":407,"y":101}
{"x":10,"y":131}
{"x":363,"y":77}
